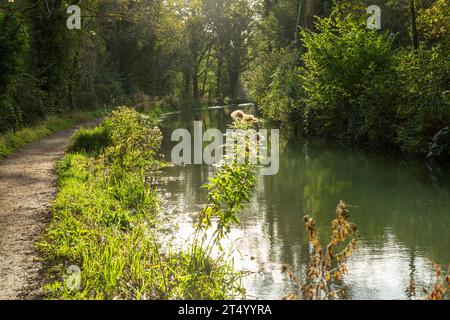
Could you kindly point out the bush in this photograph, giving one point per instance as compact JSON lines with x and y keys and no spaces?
{"x":273,"y":83}
{"x":348,"y":79}
{"x":90,"y":141}
{"x":422,"y":109}
{"x":135,"y":142}
{"x":125,"y":138}
{"x":10,"y":115}
{"x":29,"y":99}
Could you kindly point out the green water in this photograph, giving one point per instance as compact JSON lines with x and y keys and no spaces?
{"x":402,"y":209}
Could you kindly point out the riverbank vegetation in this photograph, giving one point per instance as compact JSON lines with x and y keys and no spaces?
{"x":385,"y":88}
{"x":106,"y":211}
{"x":327,"y":265}
{"x":311,"y":65}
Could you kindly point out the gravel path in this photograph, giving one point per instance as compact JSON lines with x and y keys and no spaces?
{"x":27,"y":188}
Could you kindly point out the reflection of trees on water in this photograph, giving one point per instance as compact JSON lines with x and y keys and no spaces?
{"x":402,"y":213}
{"x":438,"y":174}
{"x":387,"y":194}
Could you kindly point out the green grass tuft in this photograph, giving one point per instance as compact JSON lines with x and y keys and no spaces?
{"x":90,"y":141}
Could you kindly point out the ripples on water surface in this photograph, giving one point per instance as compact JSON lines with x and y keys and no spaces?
{"x":402,"y":210}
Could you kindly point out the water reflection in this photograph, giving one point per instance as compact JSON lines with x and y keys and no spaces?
{"x":402,"y":212}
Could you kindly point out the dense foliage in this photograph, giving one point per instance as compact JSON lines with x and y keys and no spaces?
{"x":347,"y":78}
{"x":183,"y":50}
{"x":423,"y":110}
{"x":361,"y":86}
{"x":311,"y":65}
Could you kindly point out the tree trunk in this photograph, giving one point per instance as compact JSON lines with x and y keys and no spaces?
{"x":186,"y":81}
{"x":300,"y":21}
{"x":205,"y":75}
{"x":219,"y":94}
{"x":313,"y":8}
{"x":414,"y":37}
{"x":233,"y":80}
{"x":195,"y":90}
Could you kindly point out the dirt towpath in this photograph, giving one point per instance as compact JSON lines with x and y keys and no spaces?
{"x":27,"y":188}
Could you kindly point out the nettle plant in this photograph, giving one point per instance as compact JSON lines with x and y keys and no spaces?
{"x":327,"y":265}
{"x":228,"y":190}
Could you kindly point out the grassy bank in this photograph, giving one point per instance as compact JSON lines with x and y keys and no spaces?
{"x":12,"y":141}
{"x":104,"y":223}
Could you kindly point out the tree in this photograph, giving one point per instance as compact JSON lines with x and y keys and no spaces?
{"x":54,"y":48}
{"x":433,"y":23}
{"x":12,"y":48}
{"x":313,"y":8}
{"x":414,"y":37}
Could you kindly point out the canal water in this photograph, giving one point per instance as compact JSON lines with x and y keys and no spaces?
{"x":402,"y":209}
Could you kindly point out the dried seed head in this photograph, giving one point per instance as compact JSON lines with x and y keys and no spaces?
{"x":249,"y":118}
{"x":238,"y":114}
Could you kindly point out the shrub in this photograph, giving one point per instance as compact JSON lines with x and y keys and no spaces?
{"x":10,"y":114}
{"x":422,"y":109}
{"x":135,"y":143}
{"x":273,"y":84}
{"x":348,"y":81}
{"x":125,"y":138}
{"x":29,"y":99}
